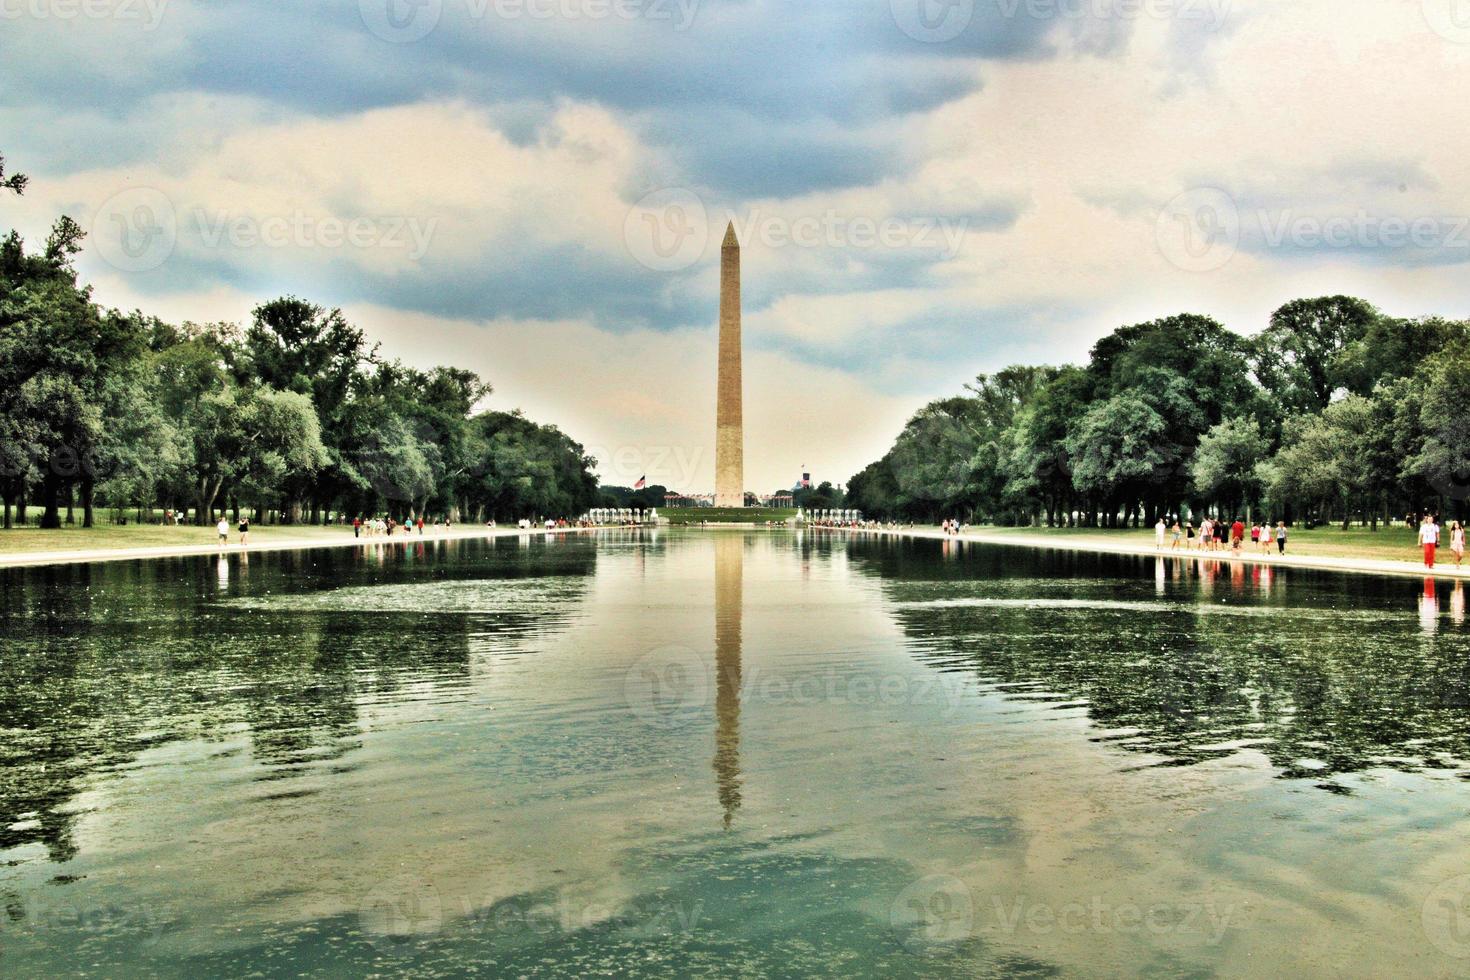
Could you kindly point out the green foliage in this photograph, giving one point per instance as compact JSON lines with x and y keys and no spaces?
{"x":15,"y":182}
{"x":521,"y":468}
{"x":1338,"y":456}
{"x":1443,"y":458}
{"x":1298,"y":357}
{"x":1333,"y":408}
{"x":295,"y":414}
{"x":1225,"y":464}
{"x":1119,"y":446}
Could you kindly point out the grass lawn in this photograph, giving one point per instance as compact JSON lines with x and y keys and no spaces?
{"x":726,"y":515}
{"x":103,"y":536}
{"x":1396,"y":543}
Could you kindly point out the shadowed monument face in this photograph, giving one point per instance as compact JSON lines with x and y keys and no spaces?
{"x":729,"y":420}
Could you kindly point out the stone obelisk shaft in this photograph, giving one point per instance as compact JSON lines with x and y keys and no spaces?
{"x":729,"y":411}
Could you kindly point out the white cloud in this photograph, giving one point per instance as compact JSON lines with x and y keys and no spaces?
{"x":1316,"y":107}
{"x":644,"y":401}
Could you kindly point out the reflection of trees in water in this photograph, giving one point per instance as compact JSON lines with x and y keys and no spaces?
{"x":1312,"y":684}
{"x":99,"y":664}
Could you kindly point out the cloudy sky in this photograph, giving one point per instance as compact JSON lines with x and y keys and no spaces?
{"x":925,"y":189}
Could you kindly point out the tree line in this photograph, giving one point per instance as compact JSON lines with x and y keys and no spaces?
{"x":295,"y":416}
{"x":1333,"y":412}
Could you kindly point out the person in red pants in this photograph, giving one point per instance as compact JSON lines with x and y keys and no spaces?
{"x":1429,"y":538}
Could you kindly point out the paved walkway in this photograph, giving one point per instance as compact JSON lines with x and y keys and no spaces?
{"x":981,"y":536}
{"x":23,"y":558}
{"x":1064,"y":543}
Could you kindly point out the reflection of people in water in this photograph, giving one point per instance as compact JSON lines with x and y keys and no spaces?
{"x":1429,"y":607}
{"x":1457,"y":604}
{"x":729,"y":596}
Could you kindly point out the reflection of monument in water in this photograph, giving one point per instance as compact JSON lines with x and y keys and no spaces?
{"x":729,"y":595}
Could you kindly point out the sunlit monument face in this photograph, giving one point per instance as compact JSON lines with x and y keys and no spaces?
{"x":729,"y":420}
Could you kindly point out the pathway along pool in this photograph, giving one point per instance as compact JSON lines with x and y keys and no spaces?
{"x":730,"y":753}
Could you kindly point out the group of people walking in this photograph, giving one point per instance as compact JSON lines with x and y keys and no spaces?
{"x":1217,"y":535}
{"x":374,"y":527}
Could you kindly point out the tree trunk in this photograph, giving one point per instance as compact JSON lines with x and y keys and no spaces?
{"x":204,"y":503}
{"x":50,"y":494}
{"x":87,"y":489}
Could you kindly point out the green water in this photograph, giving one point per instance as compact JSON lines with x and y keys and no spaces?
{"x":730,"y":753}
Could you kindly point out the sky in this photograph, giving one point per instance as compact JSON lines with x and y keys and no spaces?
{"x":924,"y":190}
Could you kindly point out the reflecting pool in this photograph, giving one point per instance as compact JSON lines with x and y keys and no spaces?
{"x":730,"y":753}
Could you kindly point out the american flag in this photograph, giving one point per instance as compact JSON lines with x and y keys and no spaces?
{"x":642,"y":480}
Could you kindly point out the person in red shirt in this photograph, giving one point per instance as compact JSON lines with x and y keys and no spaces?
{"x":357,"y":527}
{"x":1237,"y":532}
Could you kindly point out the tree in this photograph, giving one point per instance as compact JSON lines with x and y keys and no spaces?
{"x":294,"y":345}
{"x":874,"y":490}
{"x":15,"y":182}
{"x":933,"y":455}
{"x":1118,"y":448}
{"x":1341,"y":456}
{"x":61,"y":354}
{"x":1444,"y":418}
{"x":528,"y":469}
{"x":1297,"y":357}
{"x":1224,"y":466}
{"x":1394,"y":347}
{"x":296,"y":408}
{"x":251,"y":437}
{"x":1037,"y":465}
{"x":1193,"y":373}
{"x":281,"y":440}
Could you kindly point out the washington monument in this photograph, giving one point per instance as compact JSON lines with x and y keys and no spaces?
{"x":729,"y":416}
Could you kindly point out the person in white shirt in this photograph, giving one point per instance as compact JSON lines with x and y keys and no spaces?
{"x":1160,"y":529}
{"x":1429,"y":538}
{"x":224,"y":531}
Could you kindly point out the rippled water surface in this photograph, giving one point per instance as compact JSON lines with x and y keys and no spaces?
{"x":730,"y":753}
